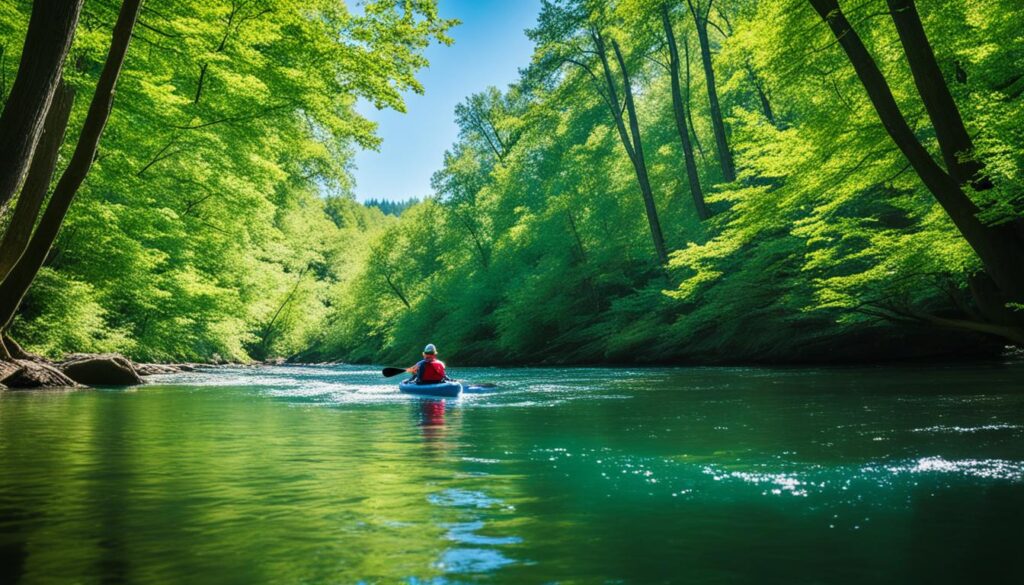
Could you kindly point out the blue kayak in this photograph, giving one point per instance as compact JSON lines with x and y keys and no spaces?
{"x":441,"y":389}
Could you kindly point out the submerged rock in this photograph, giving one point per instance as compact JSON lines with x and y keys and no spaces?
{"x":154,"y":369}
{"x":102,"y":370}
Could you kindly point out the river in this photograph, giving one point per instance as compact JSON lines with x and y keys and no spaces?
{"x":581,"y":475}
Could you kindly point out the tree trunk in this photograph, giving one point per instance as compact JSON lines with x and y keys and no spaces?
{"x":954,"y":142}
{"x":640,"y":162}
{"x":1000,"y":250}
{"x":37,"y":183}
{"x":721,"y":141}
{"x":632,"y":143}
{"x":50,"y":31}
{"x":576,"y":235}
{"x":484,"y":255}
{"x":689,"y":104}
{"x":766,"y":106}
{"x":396,"y":290}
{"x":17,"y":283}
{"x":264,"y":346}
{"x":680,"y":114}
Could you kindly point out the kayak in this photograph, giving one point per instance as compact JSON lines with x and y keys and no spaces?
{"x":441,"y":389}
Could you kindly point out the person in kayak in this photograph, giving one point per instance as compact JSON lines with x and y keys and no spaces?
{"x":429,"y":370}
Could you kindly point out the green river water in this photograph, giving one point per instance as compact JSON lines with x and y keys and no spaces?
{"x":910,"y":474}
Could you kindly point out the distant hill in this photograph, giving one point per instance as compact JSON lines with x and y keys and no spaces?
{"x":391,"y":207}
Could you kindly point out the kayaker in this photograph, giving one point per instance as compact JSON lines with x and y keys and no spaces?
{"x":429,"y":370}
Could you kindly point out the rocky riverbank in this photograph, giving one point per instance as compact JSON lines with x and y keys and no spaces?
{"x":80,"y":370}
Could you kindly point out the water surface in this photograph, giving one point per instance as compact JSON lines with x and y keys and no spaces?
{"x":704,"y":475}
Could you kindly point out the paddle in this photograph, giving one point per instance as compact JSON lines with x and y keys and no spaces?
{"x":389,"y":372}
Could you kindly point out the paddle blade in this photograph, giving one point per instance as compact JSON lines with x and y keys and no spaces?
{"x":388,"y":372}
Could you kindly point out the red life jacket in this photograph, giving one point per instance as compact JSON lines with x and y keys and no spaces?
{"x":431,"y":370}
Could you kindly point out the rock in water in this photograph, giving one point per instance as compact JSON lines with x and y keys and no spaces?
{"x":32,"y":374}
{"x":154,"y":369}
{"x":109,"y":369}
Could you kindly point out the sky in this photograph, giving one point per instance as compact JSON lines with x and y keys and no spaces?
{"x":489,"y":49}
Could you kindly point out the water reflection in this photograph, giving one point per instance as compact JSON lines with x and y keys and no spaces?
{"x":437,"y":424}
{"x":473,"y":552}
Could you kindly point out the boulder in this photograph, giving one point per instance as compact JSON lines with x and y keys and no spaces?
{"x":32,"y":374}
{"x":102,"y":370}
{"x":8,"y":368}
{"x":153,"y":369}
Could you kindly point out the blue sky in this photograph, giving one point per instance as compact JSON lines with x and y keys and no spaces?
{"x":489,"y":49}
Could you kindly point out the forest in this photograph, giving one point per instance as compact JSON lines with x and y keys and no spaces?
{"x":668,"y":181}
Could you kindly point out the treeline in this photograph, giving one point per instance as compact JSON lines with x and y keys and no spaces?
{"x":389,"y":207}
{"x":162,"y":167}
{"x":719,"y":180}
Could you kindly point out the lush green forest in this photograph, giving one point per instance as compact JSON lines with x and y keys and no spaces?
{"x":681,"y":180}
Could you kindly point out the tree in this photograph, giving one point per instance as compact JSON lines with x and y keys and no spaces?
{"x":568,"y":31}
{"x":954,"y":141}
{"x":50,"y":32}
{"x":680,"y":117}
{"x":998,"y":246}
{"x":37,"y":182}
{"x":486,"y":118}
{"x":196,"y":216}
{"x":18,"y":281}
{"x":700,"y":12}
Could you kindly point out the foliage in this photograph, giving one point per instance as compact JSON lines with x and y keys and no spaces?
{"x":218,"y":219}
{"x":200,"y":231}
{"x":819,"y":250}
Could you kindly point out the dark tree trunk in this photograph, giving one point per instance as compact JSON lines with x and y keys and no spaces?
{"x":998,"y":246}
{"x":680,"y":115}
{"x":689,"y":104}
{"x":766,"y":106}
{"x":50,"y":31}
{"x":396,"y":290}
{"x":631,"y":142}
{"x":37,"y":183}
{"x":481,"y":250}
{"x":954,"y":142}
{"x":576,"y":236}
{"x":641,"y":162}
{"x":755,"y":79}
{"x":17,"y":283}
{"x":264,"y":346}
{"x":721,"y":141}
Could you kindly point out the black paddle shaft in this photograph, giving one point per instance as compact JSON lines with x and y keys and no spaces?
{"x":389,"y":372}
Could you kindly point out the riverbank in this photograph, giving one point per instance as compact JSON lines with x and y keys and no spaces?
{"x":26,"y":370}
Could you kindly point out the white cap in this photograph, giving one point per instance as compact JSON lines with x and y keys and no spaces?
{"x":430,"y":348}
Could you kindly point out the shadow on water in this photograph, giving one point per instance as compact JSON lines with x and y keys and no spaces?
{"x":13,"y":548}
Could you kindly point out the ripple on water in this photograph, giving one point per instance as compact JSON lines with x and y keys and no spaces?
{"x":994,"y":469}
{"x":472,"y":560}
{"x":461,"y":498}
{"x":465,"y":533}
{"x":943,"y":429}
